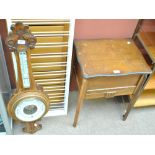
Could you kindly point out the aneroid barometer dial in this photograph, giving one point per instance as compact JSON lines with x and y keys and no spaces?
{"x":29,"y":103}
{"x":27,"y":112}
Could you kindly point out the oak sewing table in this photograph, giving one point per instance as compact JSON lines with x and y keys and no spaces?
{"x":109,"y":68}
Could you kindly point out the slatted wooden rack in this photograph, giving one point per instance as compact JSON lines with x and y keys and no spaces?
{"x":51,"y":58}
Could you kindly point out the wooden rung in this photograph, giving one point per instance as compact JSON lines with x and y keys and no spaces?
{"x":54,"y":43}
{"x":56,"y":101}
{"x":56,"y":97}
{"x":49,"y":72}
{"x":47,"y":56}
{"x":47,"y":80}
{"x":47,"y":63}
{"x":44,"y":75}
{"x":53,"y":94}
{"x":51,"y":35}
{"x":51,"y":87}
{"x":53,"y":90}
{"x":51,"y":32}
{"x":45,"y":66}
{"x":51,"y":53}
{"x":51,"y":46}
{"x":41,"y":21}
{"x":48,"y":83}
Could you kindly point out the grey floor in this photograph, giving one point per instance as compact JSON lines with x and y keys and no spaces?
{"x":99,"y":116}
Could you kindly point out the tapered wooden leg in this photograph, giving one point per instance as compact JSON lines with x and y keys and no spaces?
{"x":127,"y":112}
{"x":81,"y":96}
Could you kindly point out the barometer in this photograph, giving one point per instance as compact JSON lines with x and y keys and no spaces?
{"x":28,"y":103}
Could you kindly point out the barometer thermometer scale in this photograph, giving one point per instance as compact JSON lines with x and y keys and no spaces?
{"x":24,"y":69}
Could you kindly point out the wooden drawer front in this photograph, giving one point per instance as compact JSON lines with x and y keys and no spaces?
{"x":113,"y":81}
{"x":108,"y":93}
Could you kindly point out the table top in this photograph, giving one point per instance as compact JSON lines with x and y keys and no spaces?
{"x":106,"y":57}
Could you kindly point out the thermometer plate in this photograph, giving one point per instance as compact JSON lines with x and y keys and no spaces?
{"x":24,"y":69}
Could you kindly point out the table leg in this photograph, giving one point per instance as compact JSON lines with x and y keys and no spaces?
{"x":81,"y":96}
{"x":137,"y":93}
{"x":127,"y":111}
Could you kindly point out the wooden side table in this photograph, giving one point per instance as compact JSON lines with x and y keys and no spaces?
{"x":108,"y":68}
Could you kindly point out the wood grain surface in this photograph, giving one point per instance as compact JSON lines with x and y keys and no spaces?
{"x":110,"y":58}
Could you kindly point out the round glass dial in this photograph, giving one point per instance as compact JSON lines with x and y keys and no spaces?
{"x":30,"y":109}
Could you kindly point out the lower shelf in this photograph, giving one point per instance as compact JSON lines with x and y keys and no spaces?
{"x":151,"y":83}
{"x":146,"y":99}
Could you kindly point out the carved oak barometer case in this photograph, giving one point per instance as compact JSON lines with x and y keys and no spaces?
{"x":28,"y":103}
